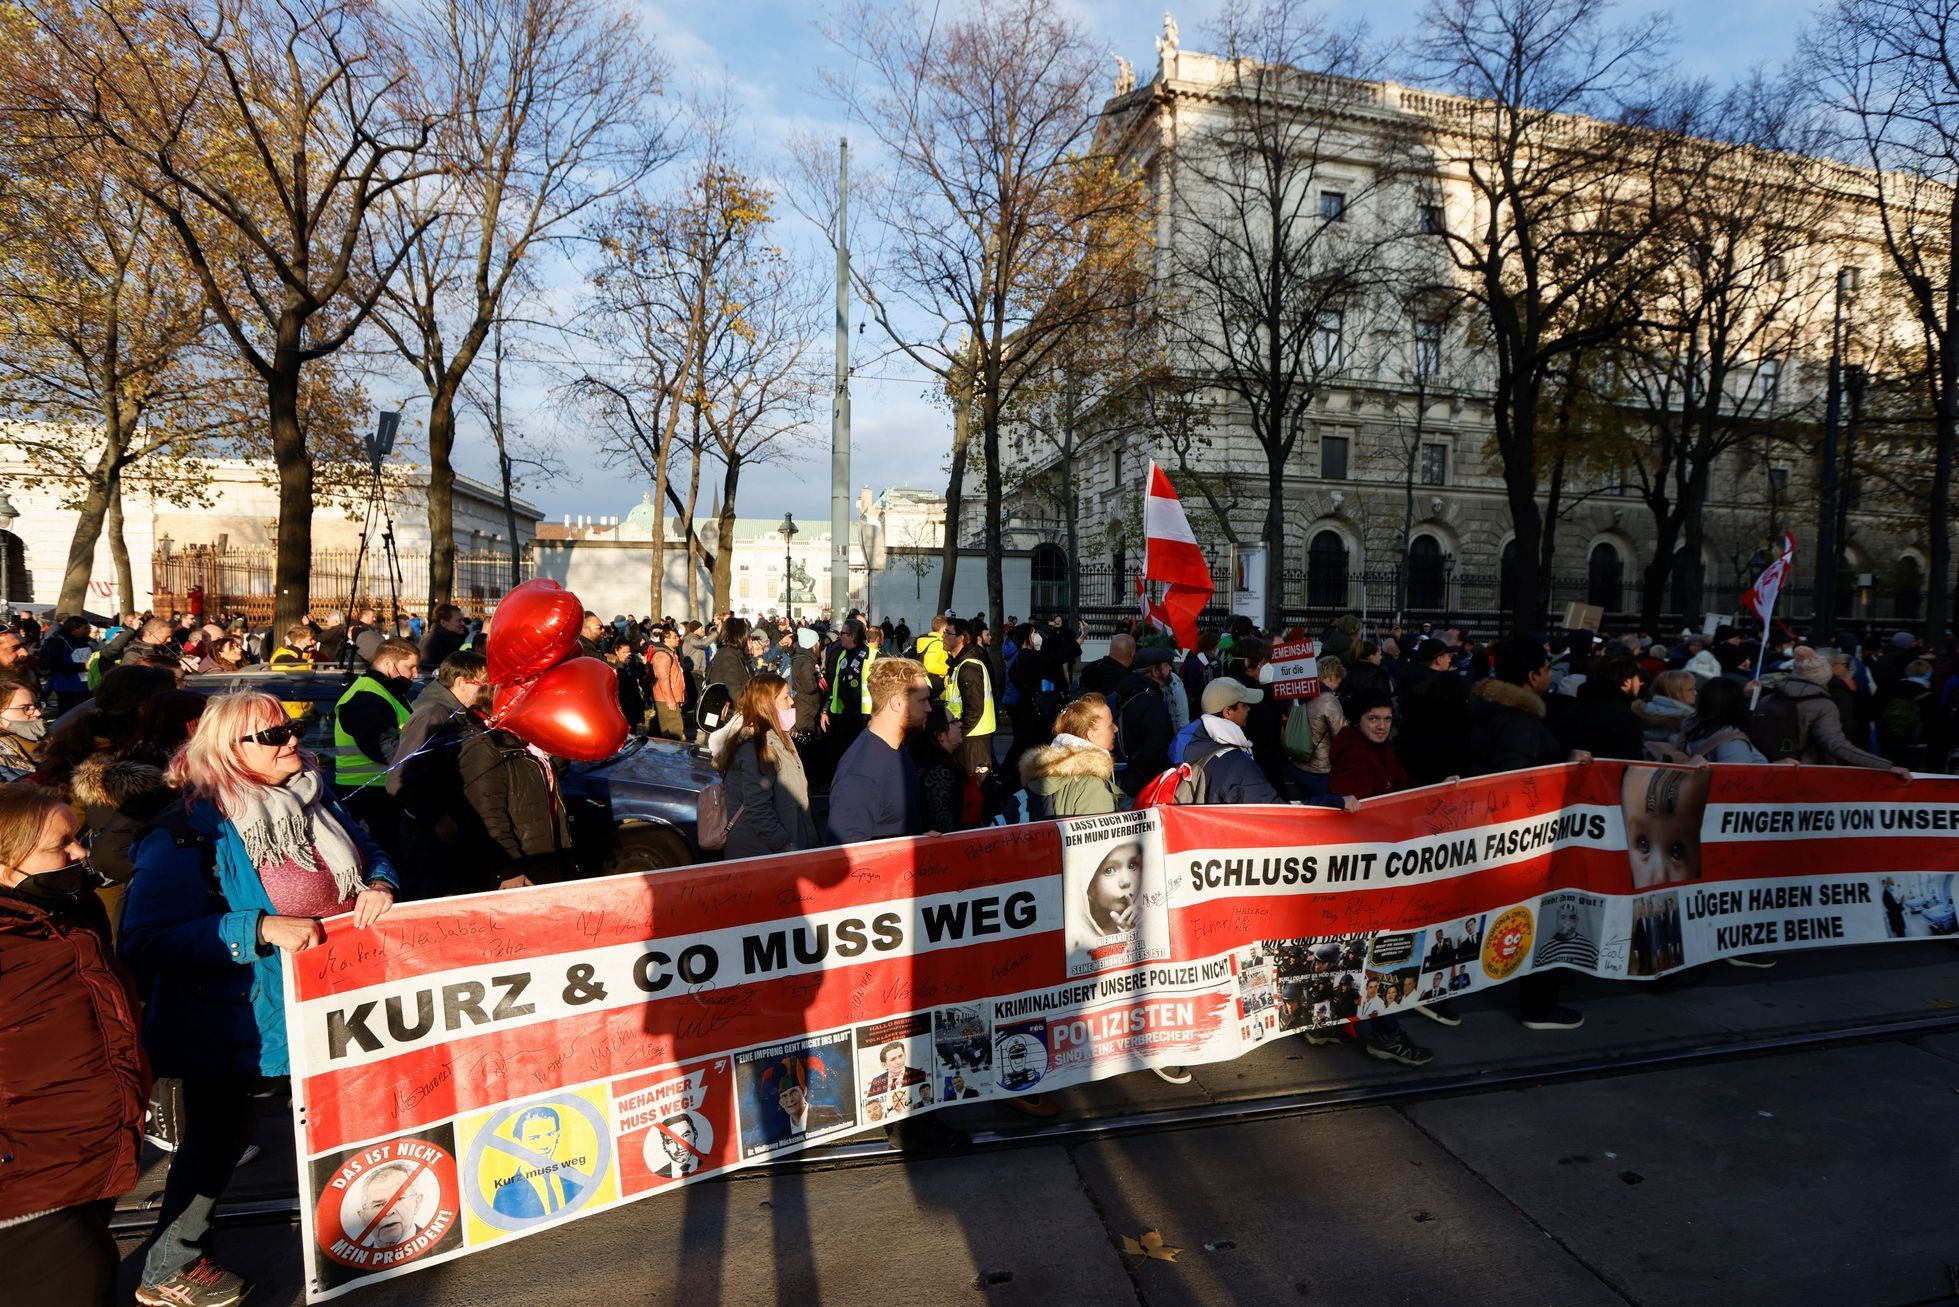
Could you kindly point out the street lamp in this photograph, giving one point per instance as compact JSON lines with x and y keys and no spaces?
{"x":8,"y":515}
{"x":1827,"y":543}
{"x":788,"y":529}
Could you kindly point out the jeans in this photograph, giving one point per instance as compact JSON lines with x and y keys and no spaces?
{"x":219,"y":1118}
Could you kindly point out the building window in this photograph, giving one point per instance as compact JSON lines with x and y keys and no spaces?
{"x":1333,"y":458}
{"x":1115,"y":467}
{"x":1428,"y":577}
{"x":1428,"y":349}
{"x":1435,"y":465}
{"x":1605,"y":578}
{"x":1775,"y":268}
{"x":1333,"y":206}
{"x":1326,"y":340}
{"x":1326,"y":571}
{"x":1428,"y":219}
{"x":1767,"y":377}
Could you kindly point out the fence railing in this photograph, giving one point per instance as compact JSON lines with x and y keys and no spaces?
{"x":239,"y":581}
{"x":1480,"y":601}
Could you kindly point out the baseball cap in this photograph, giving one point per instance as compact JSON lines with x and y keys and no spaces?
{"x":1225,"y":692}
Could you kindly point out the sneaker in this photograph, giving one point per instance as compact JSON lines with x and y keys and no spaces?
{"x":1755,"y":963}
{"x":1399,"y":1048}
{"x":1172,"y":1075}
{"x":203,"y":1283}
{"x":1321,"y":1036}
{"x":1441,"y":1012}
{"x":162,"y":1144}
{"x":1557,"y":1018}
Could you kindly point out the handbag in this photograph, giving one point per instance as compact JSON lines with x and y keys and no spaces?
{"x":711,"y":820}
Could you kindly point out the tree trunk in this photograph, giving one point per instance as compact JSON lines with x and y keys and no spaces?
{"x":293,"y":561}
{"x":995,"y":543}
{"x":724,"y":539}
{"x":1071,"y":521}
{"x":693,"y":506}
{"x":1275,"y":535}
{"x":88,"y":531}
{"x":119,"y":549}
{"x":1658,"y":570}
{"x":962,"y":431}
{"x":1939,"y":562}
{"x":442,"y":493}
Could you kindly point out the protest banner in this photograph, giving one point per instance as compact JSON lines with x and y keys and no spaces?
{"x":1295,"y":670}
{"x":479,"y":1069}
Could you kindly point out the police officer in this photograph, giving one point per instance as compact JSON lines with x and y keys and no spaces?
{"x":849,"y":707}
{"x":968,"y":698}
{"x":367,"y":724}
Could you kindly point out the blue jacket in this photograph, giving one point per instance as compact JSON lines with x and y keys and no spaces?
{"x":214,"y":996}
{"x":1230,"y":775}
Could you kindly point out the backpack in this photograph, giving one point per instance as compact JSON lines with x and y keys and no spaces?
{"x":711,"y":820}
{"x":717,"y":703}
{"x":1901,"y":721}
{"x":1776,"y":727}
{"x":1184,"y":783}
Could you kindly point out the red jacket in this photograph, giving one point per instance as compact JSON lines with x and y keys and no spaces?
{"x":72,"y":1076}
{"x":1362,"y":768}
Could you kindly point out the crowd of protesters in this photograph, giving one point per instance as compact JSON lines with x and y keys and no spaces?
{"x":160,"y":846}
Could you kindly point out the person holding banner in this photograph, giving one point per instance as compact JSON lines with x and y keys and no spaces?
{"x":243,"y":866}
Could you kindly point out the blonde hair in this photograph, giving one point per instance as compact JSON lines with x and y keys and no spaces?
{"x":1332,"y":670}
{"x":892,"y":678}
{"x":24,"y":813}
{"x":1078,"y":717}
{"x":211,"y":764}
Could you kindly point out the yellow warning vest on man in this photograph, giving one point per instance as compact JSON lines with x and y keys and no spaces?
{"x":351,"y":766}
{"x":955,"y":700}
{"x":863,"y":681}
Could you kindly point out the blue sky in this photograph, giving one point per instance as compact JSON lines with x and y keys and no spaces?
{"x":769,"y":53}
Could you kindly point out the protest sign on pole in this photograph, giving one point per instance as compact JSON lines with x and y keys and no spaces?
{"x":1295,"y":670}
{"x":480,"y":1069}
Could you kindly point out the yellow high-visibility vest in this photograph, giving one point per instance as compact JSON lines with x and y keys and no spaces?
{"x":955,"y":702}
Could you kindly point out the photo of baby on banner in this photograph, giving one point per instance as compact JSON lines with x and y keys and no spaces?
{"x":1115,"y":905}
{"x":1663,"y":808}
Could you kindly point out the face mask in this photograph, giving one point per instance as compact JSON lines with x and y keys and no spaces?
{"x":786,"y":718}
{"x":33,"y":730}
{"x":62,"y":883}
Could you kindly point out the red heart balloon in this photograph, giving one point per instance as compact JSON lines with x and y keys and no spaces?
{"x":535,"y":629}
{"x":572,"y":711}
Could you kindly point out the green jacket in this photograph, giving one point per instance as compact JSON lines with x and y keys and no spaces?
{"x":1068,"y":779}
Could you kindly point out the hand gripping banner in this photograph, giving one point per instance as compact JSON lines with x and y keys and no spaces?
{"x":479,"y":1069}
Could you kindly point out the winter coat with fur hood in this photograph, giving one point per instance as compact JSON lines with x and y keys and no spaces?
{"x":1507,"y":730}
{"x":1069,"y":778}
{"x":118,"y":798}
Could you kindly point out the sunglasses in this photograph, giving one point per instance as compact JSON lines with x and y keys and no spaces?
{"x":278,"y":737}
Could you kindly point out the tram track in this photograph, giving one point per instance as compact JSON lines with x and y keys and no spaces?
{"x":139,"y":1222}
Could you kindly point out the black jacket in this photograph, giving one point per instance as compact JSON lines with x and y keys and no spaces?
{"x":632,"y":688}
{"x":1265,"y":727}
{"x":439,"y":644}
{"x":1103,"y":676}
{"x":1601,"y":721}
{"x":806,"y":688}
{"x":1507,"y":731}
{"x":729,"y":667}
{"x":514,"y":793}
{"x":1143,"y":729}
{"x":444,"y":843}
{"x":1434,"y":725}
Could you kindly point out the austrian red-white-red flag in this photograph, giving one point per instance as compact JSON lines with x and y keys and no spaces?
{"x":1761,"y":596}
{"x":1172,"y":557}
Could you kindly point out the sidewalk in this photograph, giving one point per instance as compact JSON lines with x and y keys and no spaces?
{"x":1825,"y":1174}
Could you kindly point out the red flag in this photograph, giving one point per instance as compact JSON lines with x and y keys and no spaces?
{"x":1761,"y":596}
{"x":1173,"y":558}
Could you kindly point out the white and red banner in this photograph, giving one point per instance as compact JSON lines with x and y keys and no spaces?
{"x":1295,"y":670}
{"x":484,"y":1068}
{"x":1173,"y":557}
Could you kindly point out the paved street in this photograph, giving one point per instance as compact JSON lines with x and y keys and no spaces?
{"x":1818,"y":1174}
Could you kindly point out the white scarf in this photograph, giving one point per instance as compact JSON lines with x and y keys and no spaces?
{"x":289,"y":824}
{"x":1225,"y":731}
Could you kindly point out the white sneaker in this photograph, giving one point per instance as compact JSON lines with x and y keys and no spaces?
{"x":1172,"y":1075}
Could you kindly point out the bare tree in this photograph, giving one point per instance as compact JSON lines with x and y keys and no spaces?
{"x":1726,"y":316}
{"x":1001,"y":221}
{"x":544,"y":108}
{"x":1277,"y":263}
{"x":267,"y":134}
{"x":1562,"y":161}
{"x":516,"y":454}
{"x":1890,"y":71}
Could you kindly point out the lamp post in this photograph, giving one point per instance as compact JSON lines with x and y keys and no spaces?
{"x":788,"y":529}
{"x":1827,"y":543}
{"x":8,"y":515}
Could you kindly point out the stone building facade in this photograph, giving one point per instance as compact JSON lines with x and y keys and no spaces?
{"x":1393,"y":498}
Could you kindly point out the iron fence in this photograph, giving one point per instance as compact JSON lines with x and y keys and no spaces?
{"x":238,"y":580}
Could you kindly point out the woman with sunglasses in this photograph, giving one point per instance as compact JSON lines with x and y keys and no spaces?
{"x":246,"y":863}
